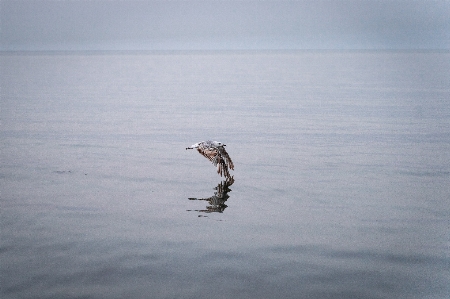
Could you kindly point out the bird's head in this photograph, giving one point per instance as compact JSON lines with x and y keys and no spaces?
{"x":217,"y":143}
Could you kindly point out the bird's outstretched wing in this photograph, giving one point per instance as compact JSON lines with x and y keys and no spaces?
{"x":227,"y":158}
{"x":220,"y":158}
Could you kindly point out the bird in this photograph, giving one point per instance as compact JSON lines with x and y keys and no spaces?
{"x":216,"y":153}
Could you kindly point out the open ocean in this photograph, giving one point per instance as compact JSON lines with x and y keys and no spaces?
{"x":341,"y":183}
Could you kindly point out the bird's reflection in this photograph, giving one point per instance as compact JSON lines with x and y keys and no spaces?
{"x":217,"y":201}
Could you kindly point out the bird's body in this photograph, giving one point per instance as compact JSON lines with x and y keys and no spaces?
{"x":216,"y":153}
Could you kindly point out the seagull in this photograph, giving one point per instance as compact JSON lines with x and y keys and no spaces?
{"x":216,"y":153}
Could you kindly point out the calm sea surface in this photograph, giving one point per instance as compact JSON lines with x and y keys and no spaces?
{"x":341,"y":183}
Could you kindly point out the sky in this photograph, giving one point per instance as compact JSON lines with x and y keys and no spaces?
{"x":223,"y":25}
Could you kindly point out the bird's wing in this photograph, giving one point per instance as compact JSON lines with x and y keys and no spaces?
{"x":216,"y":157}
{"x":227,"y":158}
{"x":209,"y":153}
{"x":222,"y":167}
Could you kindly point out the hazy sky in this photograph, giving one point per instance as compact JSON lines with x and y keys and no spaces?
{"x":150,"y":25}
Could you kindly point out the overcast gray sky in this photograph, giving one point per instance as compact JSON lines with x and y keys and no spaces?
{"x":155,"y":25}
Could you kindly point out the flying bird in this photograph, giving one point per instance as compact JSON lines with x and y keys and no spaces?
{"x":216,"y":153}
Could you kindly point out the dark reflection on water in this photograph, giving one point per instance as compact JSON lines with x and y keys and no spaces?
{"x":217,"y":201}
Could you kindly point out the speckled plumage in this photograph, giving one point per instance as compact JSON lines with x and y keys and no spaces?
{"x":216,"y":153}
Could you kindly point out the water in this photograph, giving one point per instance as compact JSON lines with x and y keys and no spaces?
{"x":342,"y":175}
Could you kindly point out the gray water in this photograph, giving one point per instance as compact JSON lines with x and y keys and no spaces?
{"x":341,"y":183}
